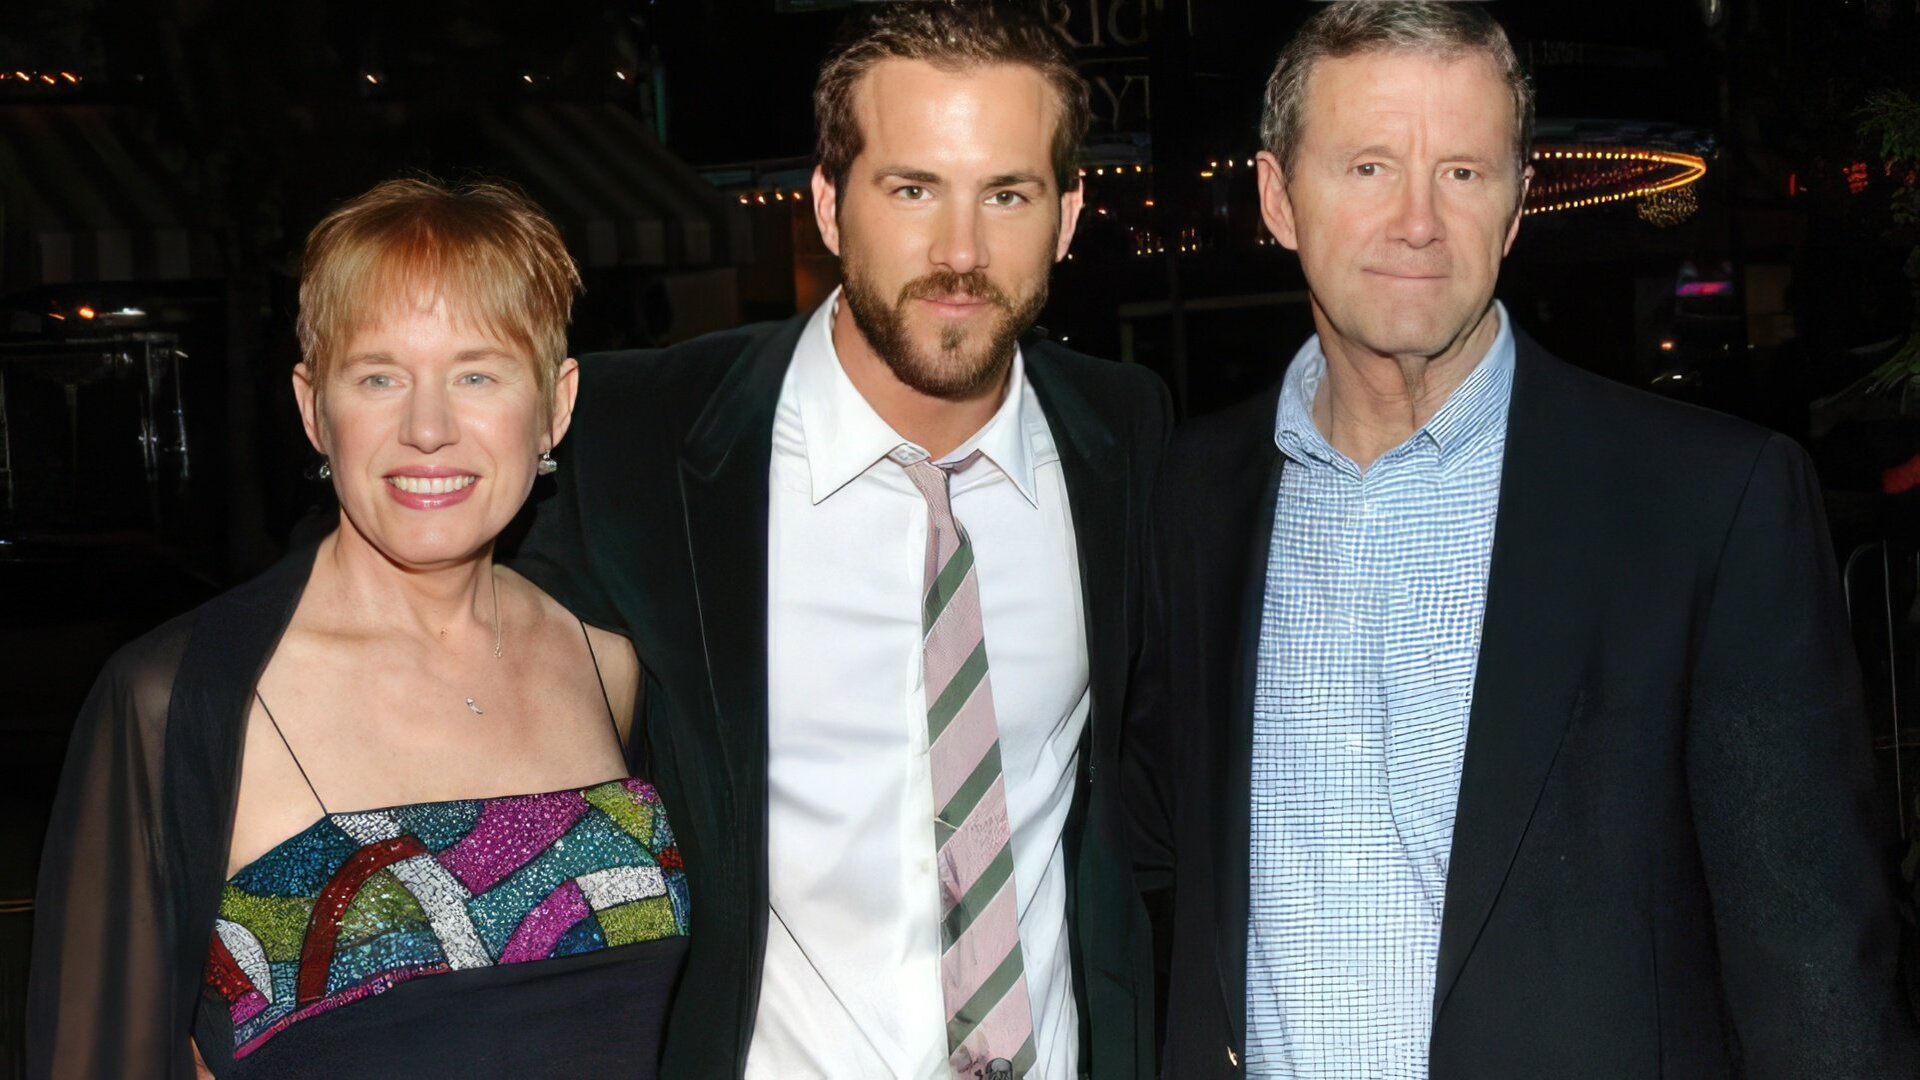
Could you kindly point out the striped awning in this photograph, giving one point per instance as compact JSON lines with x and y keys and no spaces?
{"x":620,"y":197}
{"x":85,"y":198}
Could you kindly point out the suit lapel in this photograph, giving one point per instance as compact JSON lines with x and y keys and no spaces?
{"x":1259,"y":496}
{"x":723,"y":483}
{"x":1528,"y":670}
{"x":1096,"y":468}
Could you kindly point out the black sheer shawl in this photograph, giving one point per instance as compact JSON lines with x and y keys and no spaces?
{"x":136,"y":850}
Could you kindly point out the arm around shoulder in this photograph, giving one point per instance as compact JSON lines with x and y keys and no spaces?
{"x":556,"y":553}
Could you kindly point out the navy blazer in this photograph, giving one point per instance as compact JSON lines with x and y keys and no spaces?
{"x":1663,"y":860}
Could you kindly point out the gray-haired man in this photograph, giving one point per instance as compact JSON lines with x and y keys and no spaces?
{"x":1509,"y":725}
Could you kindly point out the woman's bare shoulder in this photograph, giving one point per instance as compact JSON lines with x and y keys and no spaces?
{"x":612,"y":651}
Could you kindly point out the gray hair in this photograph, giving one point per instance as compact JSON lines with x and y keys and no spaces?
{"x":1447,"y":31}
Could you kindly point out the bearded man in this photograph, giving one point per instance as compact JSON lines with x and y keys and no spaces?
{"x":880,"y":564}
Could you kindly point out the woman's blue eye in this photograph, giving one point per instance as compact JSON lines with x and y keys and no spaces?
{"x":475,"y":378}
{"x":378,"y":382}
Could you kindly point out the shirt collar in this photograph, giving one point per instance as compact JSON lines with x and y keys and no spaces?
{"x":844,"y":436}
{"x":1477,"y":406}
{"x":1294,"y":431}
{"x":1479,"y":403}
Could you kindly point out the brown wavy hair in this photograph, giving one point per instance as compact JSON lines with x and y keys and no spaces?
{"x":953,"y":35}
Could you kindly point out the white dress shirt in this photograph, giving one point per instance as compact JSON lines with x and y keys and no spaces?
{"x":851,"y":986}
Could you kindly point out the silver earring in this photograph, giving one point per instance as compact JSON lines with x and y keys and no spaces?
{"x":547,"y":466}
{"x":325,"y":470}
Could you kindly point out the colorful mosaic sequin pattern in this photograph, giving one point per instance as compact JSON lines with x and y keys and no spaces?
{"x":362,"y":902}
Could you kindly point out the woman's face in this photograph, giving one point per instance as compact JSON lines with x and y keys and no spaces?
{"x":433,"y":429}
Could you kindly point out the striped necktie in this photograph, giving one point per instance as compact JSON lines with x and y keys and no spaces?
{"x":982,"y":977}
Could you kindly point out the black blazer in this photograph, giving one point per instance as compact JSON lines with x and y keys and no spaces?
{"x":659,"y":529}
{"x":1662,"y":862}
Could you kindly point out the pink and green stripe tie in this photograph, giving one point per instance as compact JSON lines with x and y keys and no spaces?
{"x":989,"y":1019}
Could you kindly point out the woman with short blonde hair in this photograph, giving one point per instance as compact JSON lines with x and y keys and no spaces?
{"x":373,"y":812}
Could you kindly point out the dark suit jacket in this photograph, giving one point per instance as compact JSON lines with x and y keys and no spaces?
{"x":1662,"y":863}
{"x":659,"y":529}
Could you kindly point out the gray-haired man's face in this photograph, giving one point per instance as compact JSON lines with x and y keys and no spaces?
{"x":1401,"y":202}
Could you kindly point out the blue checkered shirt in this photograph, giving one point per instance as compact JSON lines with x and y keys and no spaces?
{"x":1376,"y":585}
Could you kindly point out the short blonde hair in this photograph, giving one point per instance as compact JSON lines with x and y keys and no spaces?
{"x":485,"y":248}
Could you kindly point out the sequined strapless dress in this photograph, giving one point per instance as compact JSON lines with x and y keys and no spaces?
{"x":527,"y":935}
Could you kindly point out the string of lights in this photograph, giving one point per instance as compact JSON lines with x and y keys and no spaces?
{"x":1674,"y":171}
{"x":48,"y":78}
{"x":1569,"y":178}
{"x":765,"y":198}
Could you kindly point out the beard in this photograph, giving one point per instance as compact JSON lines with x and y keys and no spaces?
{"x":963,"y":362}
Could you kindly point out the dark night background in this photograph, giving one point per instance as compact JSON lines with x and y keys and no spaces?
{"x":162,"y":160}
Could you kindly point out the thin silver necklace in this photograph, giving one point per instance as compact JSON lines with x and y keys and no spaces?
{"x":494,"y":576}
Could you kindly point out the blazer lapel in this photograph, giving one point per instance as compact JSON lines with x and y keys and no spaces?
{"x":1096,"y":467}
{"x":723,"y":483}
{"x":1258,"y":499}
{"x":1530,"y":649}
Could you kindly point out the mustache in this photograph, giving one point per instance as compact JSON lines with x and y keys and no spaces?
{"x":942,"y":283}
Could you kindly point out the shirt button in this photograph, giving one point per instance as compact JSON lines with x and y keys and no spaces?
{"x":906,"y":454}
